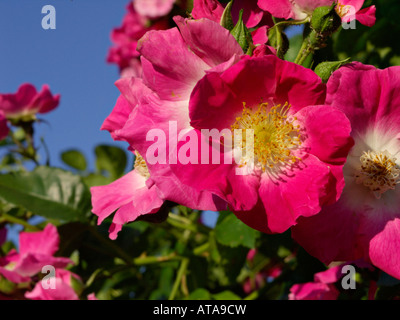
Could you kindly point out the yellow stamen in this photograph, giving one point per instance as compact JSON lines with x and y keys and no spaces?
{"x":275,"y":136}
{"x":342,"y":9}
{"x":141,"y":166}
{"x":379,"y":172}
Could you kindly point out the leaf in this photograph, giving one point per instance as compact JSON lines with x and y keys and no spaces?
{"x":242,"y":35}
{"x":111,"y":159}
{"x":199,"y":294}
{"x":48,"y":192}
{"x":279,"y":40}
{"x":325,"y":69}
{"x":75,"y":159}
{"x":226,"y":295}
{"x":226,"y":18}
{"x":95,"y":179}
{"x":232,"y":232}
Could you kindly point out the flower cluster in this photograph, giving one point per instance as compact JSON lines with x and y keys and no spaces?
{"x":261,"y":114}
{"x":26,"y":269}
{"x":216,"y":121}
{"x":22,"y":106}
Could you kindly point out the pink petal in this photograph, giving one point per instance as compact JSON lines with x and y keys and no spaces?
{"x":165,"y":62}
{"x":313,"y":291}
{"x":12,"y":104}
{"x":384,"y":248}
{"x":376,"y":100}
{"x":204,"y":38}
{"x":31,"y":264}
{"x":44,"y":242}
{"x":118,"y":117}
{"x":252,"y":15}
{"x":367,"y":16}
{"x":13,"y":276}
{"x":219,"y":179}
{"x":326,"y":133}
{"x":153,"y":9}
{"x":260,"y":35}
{"x":3,"y":235}
{"x":62,"y":292}
{"x":106,"y":199}
{"x":210,"y":9}
{"x":45,"y":101}
{"x":331,"y":275}
{"x":299,"y":193}
{"x":330,"y":235}
{"x":3,"y":126}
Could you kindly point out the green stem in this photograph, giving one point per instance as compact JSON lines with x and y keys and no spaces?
{"x":292,"y":22}
{"x":201,"y":249}
{"x":187,"y":224}
{"x":179,"y":277}
{"x":152,"y":260}
{"x":306,"y":48}
{"x":23,"y":150}
{"x":12,"y":219}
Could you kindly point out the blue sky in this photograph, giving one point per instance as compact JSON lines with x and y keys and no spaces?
{"x":71,"y":59}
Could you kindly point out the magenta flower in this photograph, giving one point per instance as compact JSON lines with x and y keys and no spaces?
{"x":62,"y":288}
{"x":301,"y":9}
{"x":27,"y":102}
{"x":3,"y":236}
{"x":213,"y":9}
{"x":322,"y":288}
{"x":125,"y":39}
{"x":173,"y":62}
{"x":128,"y":196}
{"x":36,"y":249}
{"x":3,"y":126}
{"x":153,"y":8}
{"x":365,"y":222}
{"x":300,"y":146}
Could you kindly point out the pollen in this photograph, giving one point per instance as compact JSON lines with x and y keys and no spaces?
{"x":141,"y":166}
{"x":379,"y":172}
{"x":275,"y":135}
{"x":342,"y":10}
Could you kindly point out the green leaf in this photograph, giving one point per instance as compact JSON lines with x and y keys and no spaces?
{"x":242,"y":34}
{"x":226,"y":18}
{"x":325,"y":69}
{"x":111,"y":159}
{"x":95,"y":179}
{"x":199,"y":294}
{"x":325,"y":20}
{"x":48,"y":192}
{"x":232,"y":232}
{"x":226,"y":295}
{"x":75,"y":159}
{"x":279,"y":40}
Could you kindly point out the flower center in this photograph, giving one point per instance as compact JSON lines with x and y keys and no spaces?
{"x":275,"y":136}
{"x":141,"y":166}
{"x":342,"y":9}
{"x":379,"y":172}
